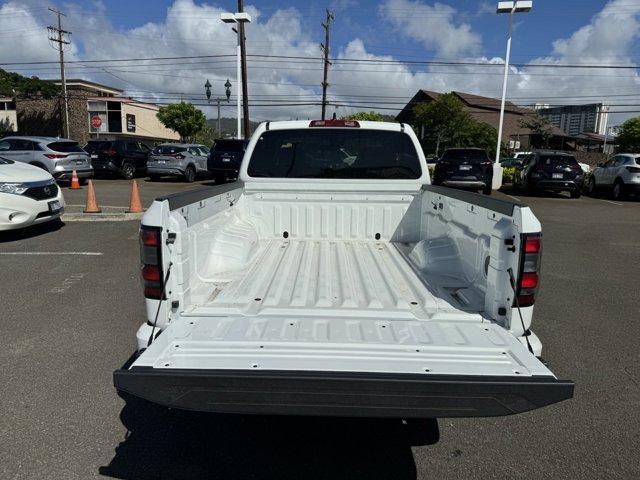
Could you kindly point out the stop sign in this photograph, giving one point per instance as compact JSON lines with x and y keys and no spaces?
{"x":96,"y":121}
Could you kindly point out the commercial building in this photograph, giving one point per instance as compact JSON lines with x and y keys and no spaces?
{"x":8,"y":115}
{"x":576,"y":119}
{"x":95,"y":111}
{"x":485,"y":110}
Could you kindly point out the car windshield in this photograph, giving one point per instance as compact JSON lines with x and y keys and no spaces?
{"x":229,"y":146}
{"x":168,"y":150}
{"x":334,"y":153}
{"x":463,"y":154}
{"x":557,"y":160}
{"x":65,"y":147}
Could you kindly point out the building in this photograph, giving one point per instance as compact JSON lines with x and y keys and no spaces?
{"x":95,"y":111}
{"x":576,"y":119}
{"x":486,"y":110}
{"x":8,"y":114}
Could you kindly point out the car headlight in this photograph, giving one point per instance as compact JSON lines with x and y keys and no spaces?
{"x":17,"y":188}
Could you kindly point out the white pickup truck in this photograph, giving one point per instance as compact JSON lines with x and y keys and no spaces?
{"x":333,"y":279}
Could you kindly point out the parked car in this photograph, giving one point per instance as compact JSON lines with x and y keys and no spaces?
{"x":125,"y":158}
{"x":468,"y":168}
{"x":225,"y":157}
{"x":58,"y":156}
{"x":186,"y":160}
{"x":620,"y":176}
{"x":548,"y":170}
{"x":333,"y":285}
{"x":511,"y":162}
{"x":28,"y":195}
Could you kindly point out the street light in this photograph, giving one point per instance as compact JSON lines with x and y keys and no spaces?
{"x":510,"y":8}
{"x":240,"y":17}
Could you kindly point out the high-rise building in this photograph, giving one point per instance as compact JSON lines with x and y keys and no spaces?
{"x":576,"y":119}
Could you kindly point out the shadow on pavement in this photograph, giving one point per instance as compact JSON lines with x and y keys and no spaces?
{"x":30,"y":232}
{"x":162,"y":443}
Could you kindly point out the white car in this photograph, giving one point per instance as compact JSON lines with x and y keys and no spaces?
{"x":620,"y":176}
{"x":28,"y":195}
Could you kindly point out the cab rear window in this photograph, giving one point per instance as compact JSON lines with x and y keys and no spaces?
{"x":335,"y":153}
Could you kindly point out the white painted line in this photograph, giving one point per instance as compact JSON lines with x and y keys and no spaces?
{"x":515,"y":198}
{"x":609,"y":201}
{"x":52,"y":253}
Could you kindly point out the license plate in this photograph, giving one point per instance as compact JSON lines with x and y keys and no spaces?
{"x":464,"y":167}
{"x":55,"y":206}
{"x":557,"y":175}
{"x":226,"y":159}
{"x":162,"y":161}
{"x":93,"y":155}
{"x":79,"y":162}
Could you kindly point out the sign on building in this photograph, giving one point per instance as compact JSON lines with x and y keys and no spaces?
{"x":131,"y":123}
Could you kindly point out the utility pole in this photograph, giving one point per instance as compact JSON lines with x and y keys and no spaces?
{"x":219,"y":131}
{"x":245,"y":89}
{"x":56,"y":34}
{"x":325,"y":47}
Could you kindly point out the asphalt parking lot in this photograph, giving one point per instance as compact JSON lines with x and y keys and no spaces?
{"x":73,"y":301}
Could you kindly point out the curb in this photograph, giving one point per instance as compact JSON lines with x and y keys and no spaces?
{"x":101,"y":217}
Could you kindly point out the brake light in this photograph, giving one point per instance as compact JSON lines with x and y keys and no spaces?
{"x":151,"y":257}
{"x":55,"y":155}
{"x":334,"y":123}
{"x":531,"y":251}
{"x":633,"y":169}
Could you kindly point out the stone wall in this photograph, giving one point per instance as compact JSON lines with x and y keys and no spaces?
{"x":590,"y":158}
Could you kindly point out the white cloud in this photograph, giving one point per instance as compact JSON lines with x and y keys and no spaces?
{"x":190,"y":29}
{"x":432,"y":25}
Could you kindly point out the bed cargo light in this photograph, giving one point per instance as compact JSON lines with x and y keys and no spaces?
{"x":334,"y":123}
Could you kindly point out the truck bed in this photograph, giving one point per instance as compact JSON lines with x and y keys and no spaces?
{"x":336,"y":279}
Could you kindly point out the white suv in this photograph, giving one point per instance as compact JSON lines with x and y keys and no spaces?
{"x":620,"y":175}
{"x":58,"y":156}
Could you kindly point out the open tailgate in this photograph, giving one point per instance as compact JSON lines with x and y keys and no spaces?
{"x":341,"y":367}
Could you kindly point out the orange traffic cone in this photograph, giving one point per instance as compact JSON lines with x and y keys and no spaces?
{"x":135,"y":206}
{"x":75,"y":184}
{"x":92,"y":205}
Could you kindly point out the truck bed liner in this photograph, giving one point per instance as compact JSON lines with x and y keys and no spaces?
{"x":337,"y":278}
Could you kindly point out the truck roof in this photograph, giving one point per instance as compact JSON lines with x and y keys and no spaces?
{"x":294,"y":124}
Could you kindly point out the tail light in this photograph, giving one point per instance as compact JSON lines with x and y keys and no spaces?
{"x":111,"y":152}
{"x":55,"y":155}
{"x":151,"y":257}
{"x":528,"y":280}
{"x":633,"y":169}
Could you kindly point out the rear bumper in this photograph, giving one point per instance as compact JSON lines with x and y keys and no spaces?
{"x":163,"y":170}
{"x":558,"y":185}
{"x":477,"y":184}
{"x":341,"y":393}
{"x":67,"y":174}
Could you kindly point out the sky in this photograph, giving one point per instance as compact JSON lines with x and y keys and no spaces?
{"x":383,"y":51}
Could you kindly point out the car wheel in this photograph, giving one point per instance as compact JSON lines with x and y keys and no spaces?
{"x":220,"y":178}
{"x":575,"y":193}
{"x":617,"y":192}
{"x":487,"y":190}
{"x":128,"y":170}
{"x":190,"y":174}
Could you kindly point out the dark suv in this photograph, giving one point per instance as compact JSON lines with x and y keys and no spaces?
{"x":468,"y":168}
{"x":551,"y":171}
{"x":125,"y":158}
{"x":225,"y":158}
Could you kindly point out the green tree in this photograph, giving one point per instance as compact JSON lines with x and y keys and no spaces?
{"x":364,"y":116}
{"x":628,"y":138}
{"x":12,"y":83}
{"x":183,"y":118}
{"x":447,"y":124}
{"x":6,"y":126}
{"x":540,"y":128}
{"x":206,"y":136}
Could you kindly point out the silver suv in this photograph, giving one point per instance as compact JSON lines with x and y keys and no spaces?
{"x":178,"y":159}
{"x":58,"y":156}
{"x":620,"y":176}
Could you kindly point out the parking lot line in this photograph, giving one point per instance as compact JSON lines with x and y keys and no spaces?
{"x":609,"y":201}
{"x":52,"y":253}
{"x":515,"y":198}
